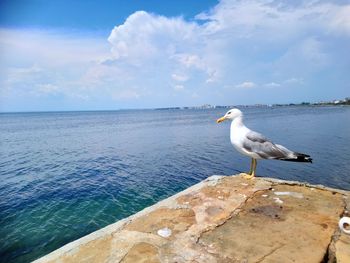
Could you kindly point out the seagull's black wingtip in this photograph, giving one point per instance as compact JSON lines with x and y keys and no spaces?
{"x":300,"y":157}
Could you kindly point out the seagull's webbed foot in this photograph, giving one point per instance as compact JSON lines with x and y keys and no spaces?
{"x":251,"y":173}
{"x":247,"y":176}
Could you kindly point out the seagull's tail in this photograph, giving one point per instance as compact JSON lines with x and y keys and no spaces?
{"x":293,"y":156}
{"x":299,"y":157}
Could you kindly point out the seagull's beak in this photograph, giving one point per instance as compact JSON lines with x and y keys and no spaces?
{"x":221,"y":119}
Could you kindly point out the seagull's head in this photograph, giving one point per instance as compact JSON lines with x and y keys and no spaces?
{"x":230,"y":115}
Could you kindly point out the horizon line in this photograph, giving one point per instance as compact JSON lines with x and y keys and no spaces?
{"x":200,"y":107}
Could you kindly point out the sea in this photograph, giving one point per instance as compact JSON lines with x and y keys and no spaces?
{"x":64,"y":175}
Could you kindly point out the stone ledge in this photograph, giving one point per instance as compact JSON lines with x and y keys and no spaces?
{"x":225,"y":219}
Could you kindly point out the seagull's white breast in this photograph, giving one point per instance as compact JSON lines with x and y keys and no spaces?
{"x":238,"y":132}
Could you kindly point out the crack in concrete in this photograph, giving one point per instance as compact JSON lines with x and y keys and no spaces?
{"x":270,"y":253}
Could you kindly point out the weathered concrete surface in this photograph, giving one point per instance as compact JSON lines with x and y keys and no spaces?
{"x":225,"y":219}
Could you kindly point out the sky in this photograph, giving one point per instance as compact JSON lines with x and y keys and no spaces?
{"x":107,"y":55}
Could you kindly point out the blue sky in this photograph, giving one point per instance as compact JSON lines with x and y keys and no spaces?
{"x":95,"y":55}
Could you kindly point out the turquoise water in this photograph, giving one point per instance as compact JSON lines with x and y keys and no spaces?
{"x":66,"y":174}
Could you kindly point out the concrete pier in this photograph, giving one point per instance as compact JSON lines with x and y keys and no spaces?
{"x":225,"y":219}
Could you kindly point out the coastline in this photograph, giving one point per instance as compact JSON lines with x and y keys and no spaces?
{"x":203,"y":107}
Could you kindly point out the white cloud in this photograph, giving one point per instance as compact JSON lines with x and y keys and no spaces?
{"x":250,"y":19}
{"x":147,"y":36}
{"x":340,"y":21}
{"x":190,"y":60}
{"x":179,"y":77}
{"x":158,"y":42}
{"x":272,"y":85}
{"x":246,"y":85}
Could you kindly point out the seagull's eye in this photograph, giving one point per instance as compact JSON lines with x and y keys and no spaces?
{"x":228,"y":113}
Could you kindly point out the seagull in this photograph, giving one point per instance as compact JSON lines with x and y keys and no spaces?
{"x":256,"y":145}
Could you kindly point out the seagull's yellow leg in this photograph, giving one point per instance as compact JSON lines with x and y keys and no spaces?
{"x":252,"y":170}
{"x":251,"y":167}
{"x":251,"y":173}
{"x":254,"y":167}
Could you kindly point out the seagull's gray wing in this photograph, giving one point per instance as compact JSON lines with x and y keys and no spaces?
{"x":259,"y":144}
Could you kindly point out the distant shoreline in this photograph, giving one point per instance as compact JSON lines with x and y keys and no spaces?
{"x":252,"y":106}
{"x":203,"y":107}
